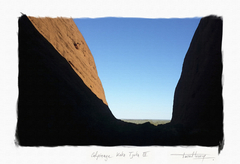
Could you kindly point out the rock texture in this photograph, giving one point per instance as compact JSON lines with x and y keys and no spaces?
{"x":65,"y":37}
{"x":55,"y":106}
{"x":61,"y":99}
{"x":198,"y":104}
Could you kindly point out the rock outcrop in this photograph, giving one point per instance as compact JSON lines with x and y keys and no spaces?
{"x":198,"y":104}
{"x":65,"y":37}
{"x":61,"y":99}
{"x":55,"y":105}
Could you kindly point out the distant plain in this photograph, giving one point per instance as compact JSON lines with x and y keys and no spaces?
{"x":141,"y":121}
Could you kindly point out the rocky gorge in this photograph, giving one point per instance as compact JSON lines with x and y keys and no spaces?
{"x":62,"y":102}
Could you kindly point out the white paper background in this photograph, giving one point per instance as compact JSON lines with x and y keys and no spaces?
{"x":10,"y":11}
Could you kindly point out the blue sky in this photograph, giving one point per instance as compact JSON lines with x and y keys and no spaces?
{"x":139,"y":62}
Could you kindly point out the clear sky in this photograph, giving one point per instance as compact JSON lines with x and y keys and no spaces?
{"x":139,"y":62}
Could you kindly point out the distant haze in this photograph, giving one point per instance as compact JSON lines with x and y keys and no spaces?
{"x":139,"y":62}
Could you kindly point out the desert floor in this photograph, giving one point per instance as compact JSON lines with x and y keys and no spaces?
{"x":141,"y":121}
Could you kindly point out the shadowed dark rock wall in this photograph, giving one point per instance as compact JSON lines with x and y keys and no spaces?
{"x":198,"y":104}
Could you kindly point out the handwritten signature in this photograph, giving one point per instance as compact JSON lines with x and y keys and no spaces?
{"x":194,"y":155}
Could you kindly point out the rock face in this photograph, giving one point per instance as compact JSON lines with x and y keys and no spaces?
{"x":65,"y":37}
{"x":55,"y":105}
{"x":198,"y":104}
{"x":61,"y":100}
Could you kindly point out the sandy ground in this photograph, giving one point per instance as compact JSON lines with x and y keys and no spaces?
{"x":65,"y":37}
